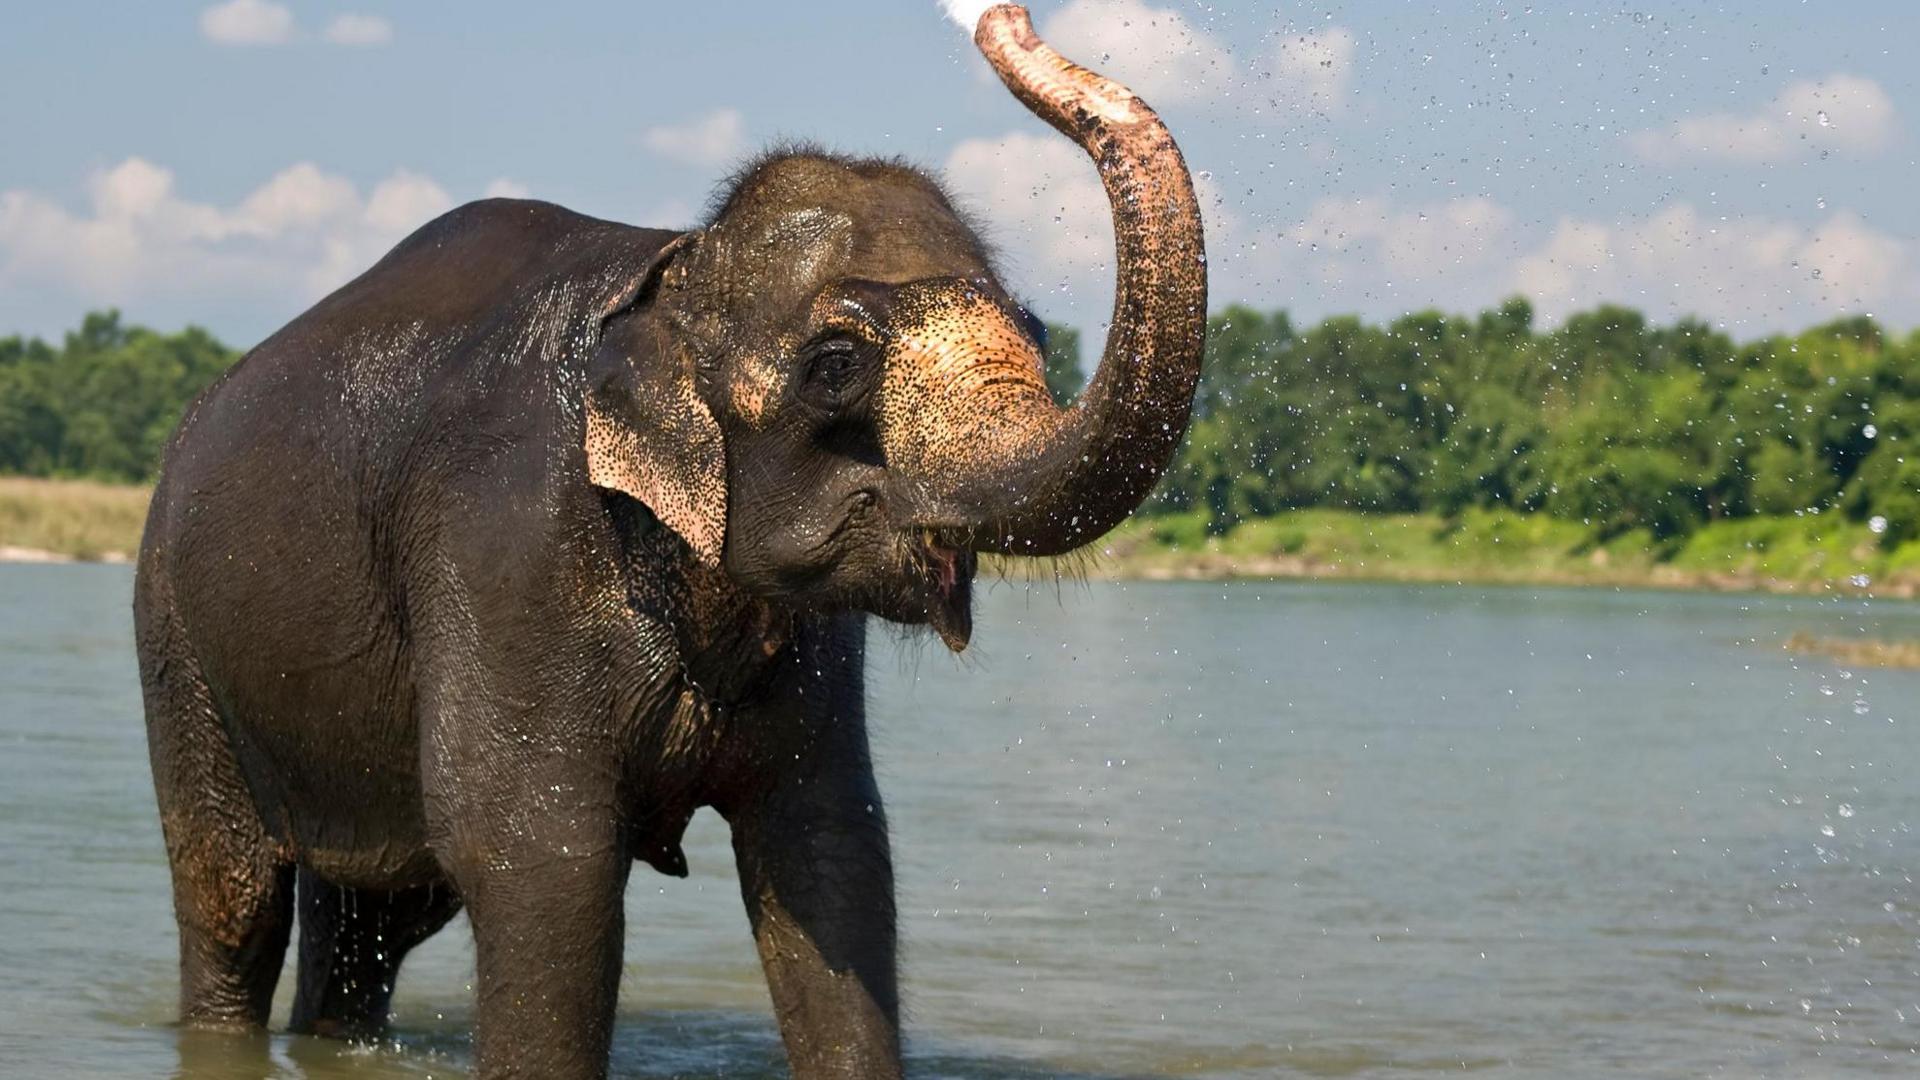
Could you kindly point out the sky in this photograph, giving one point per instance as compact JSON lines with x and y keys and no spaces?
{"x":226,"y":164}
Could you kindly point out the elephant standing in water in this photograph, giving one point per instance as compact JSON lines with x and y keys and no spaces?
{"x":468,"y":586}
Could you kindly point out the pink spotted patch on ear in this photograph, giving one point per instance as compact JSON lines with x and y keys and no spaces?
{"x":667,"y":453}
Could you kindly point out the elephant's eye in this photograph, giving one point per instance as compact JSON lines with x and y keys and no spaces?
{"x":833,"y":374}
{"x":833,"y":368}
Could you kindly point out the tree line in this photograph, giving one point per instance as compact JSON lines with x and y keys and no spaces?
{"x":103,"y":403}
{"x":1607,"y":420}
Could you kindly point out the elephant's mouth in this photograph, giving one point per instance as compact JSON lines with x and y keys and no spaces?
{"x":943,"y":571}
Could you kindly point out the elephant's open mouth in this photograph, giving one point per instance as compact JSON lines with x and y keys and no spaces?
{"x":944,"y":572}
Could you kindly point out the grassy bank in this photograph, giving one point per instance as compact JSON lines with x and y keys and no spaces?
{"x":1785,"y":554}
{"x":1858,"y":652}
{"x":86,"y":520}
{"x":71,"y":519}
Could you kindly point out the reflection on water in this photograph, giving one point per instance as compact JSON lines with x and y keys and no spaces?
{"x":1170,"y":830}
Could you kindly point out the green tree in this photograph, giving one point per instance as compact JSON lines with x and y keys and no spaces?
{"x":1065,"y":377}
{"x":105,"y":402}
{"x":1607,"y":419}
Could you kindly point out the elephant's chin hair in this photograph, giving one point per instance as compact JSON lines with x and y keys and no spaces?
{"x":1076,"y":568}
{"x":912,"y":642}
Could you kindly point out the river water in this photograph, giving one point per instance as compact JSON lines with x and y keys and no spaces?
{"x":1154,"y":830}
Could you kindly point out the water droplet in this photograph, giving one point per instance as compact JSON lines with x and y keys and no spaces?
{"x":1846,"y":809}
{"x":1877,"y":524}
{"x":1826,"y":830}
{"x":1870,"y":431}
{"x":1825,"y":120}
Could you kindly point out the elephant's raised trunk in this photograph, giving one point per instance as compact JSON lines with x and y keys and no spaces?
{"x":1053,"y":480}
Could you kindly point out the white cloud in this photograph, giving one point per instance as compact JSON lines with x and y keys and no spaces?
{"x":1042,"y":202}
{"x":359,"y":30}
{"x":668,"y":214}
{"x":301,"y":233}
{"x":1839,"y":112}
{"x":1372,"y":255}
{"x":291,"y":200}
{"x":1153,"y":51}
{"x":403,"y":202}
{"x":1427,"y":242}
{"x":1383,"y":258}
{"x":504,"y":188}
{"x":713,"y":139}
{"x":1313,"y":69}
{"x":1754,"y":272}
{"x":247,"y":22}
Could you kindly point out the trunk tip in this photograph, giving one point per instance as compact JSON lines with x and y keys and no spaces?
{"x":967,"y":13}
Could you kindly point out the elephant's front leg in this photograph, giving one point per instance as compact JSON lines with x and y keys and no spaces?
{"x":818,"y":883}
{"x":545,"y":901}
{"x":528,"y":829}
{"x":817,"y":878}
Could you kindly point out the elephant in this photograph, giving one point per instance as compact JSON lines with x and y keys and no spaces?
{"x":466,"y":588}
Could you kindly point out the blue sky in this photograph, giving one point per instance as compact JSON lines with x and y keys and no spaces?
{"x":227,"y":163}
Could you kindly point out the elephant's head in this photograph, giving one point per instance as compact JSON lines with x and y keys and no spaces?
{"x":827,"y":389}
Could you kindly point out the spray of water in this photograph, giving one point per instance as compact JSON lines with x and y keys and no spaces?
{"x":967,"y":12}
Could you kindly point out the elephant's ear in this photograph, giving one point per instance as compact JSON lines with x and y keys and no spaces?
{"x":649,"y":434}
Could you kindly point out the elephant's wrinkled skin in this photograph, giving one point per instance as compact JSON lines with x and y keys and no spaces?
{"x":471,"y":584}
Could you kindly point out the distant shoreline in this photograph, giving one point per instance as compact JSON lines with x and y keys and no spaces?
{"x":1202,"y":569}
{"x":1282,"y":569}
{"x":47,"y":521}
{"x":10,"y":553}
{"x":1792,"y":555}
{"x":68,"y":521}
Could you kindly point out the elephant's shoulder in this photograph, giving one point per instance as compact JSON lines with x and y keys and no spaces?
{"x":473,"y":260}
{"x":488,"y":272}
{"x":523,"y":235}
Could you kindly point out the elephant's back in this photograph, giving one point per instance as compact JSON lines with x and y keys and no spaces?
{"x":325,"y":433}
{"x":468,"y":311}
{"x":286,"y":533}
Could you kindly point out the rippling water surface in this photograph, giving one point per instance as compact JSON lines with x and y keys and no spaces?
{"x":1161,"y":830}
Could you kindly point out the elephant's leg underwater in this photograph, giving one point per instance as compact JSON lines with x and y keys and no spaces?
{"x":543,"y":882}
{"x":351,"y":944}
{"x":232,"y":886}
{"x":817,"y":878}
{"x":547,"y":960}
{"x":816,"y":871}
